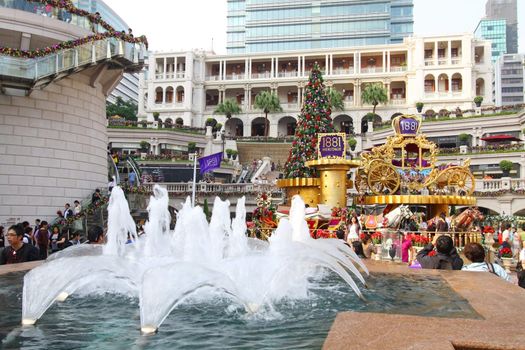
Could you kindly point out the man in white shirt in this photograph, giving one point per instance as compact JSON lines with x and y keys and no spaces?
{"x":505,"y":236}
{"x":475,"y":253}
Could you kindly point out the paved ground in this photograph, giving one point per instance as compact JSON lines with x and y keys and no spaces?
{"x":501,"y":305}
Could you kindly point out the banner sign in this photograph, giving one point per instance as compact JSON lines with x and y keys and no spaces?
{"x":210,"y":162}
{"x":331,"y":145}
{"x":408,"y":126}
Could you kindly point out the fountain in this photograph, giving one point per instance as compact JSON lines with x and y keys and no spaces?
{"x":164,"y":268}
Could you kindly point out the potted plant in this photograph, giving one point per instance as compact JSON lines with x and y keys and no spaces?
{"x":463,"y":139}
{"x":156,"y":116}
{"x":234,"y":154}
{"x":506,"y":258}
{"x":506,"y":166}
{"x":370,"y":117}
{"x":478,"y":100}
{"x":352,"y":142}
{"x":229,"y":153}
{"x":144,"y":145}
{"x":419,"y":106}
{"x":192,"y":147}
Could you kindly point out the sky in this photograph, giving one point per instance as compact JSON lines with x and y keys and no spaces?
{"x":173,"y":25}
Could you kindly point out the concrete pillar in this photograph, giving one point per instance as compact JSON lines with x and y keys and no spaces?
{"x":25,"y":41}
{"x":164,"y":72}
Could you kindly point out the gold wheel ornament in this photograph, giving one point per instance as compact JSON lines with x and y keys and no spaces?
{"x":462,"y":181}
{"x":360,"y":181}
{"x":383,"y":178}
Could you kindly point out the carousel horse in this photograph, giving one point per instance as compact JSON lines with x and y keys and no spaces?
{"x":431,"y":224}
{"x":464,"y":221}
{"x":394,"y":218}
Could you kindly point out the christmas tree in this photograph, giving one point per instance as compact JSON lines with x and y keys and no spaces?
{"x":314,"y":118}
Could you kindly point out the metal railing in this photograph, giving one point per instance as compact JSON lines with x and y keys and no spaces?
{"x":182,"y":188}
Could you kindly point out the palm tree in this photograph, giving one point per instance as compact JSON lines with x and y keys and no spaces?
{"x":229,"y":107}
{"x":269,"y":103}
{"x":374,"y":94}
{"x":335,"y":99}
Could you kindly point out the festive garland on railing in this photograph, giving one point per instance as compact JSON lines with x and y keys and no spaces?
{"x":90,"y":210}
{"x":94,"y":18}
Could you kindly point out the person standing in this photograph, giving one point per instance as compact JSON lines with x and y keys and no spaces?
{"x":2,"y":237}
{"x":132,"y":178}
{"x":353,"y":230}
{"x":520,"y":267}
{"x":516,"y":242}
{"x":67,"y":211}
{"x":77,"y":208}
{"x":18,"y":251}
{"x":42,"y":240}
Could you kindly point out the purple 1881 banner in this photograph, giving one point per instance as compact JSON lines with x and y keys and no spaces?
{"x":331,"y":145}
{"x":408,"y":126}
{"x":210,"y":162}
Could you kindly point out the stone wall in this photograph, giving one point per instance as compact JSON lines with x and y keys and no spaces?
{"x":53,"y":148}
{"x":257,"y":150}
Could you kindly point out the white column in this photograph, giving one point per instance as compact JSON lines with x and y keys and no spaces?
{"x":450,"y":85}
{"x":355,"y":63}
{"x":220,"y":70}
{"x":247,"y":69}
{"x":384,"y":62}
{"x":449,"y":60}
{"x":164,"y":75}
{"x":277,"y":67}
{"x":331,"y":64}
{"x":272,"y":70}
{"x":388,"y":64}
{"x":175,"y":66}
{"x":358,"y":63}
{"x":436,"y":53}
{"x":326,"y":64}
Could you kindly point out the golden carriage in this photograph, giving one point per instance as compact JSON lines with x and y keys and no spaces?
{"x":406,"y":164}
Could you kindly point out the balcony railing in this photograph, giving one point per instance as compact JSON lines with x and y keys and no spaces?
{"x":35,"y":69}
{"x":235,"y":76}
{"x":291,"y":74}
{"x":213,"y":188}
{"x":398,"y":68}
{"x":263,"y":75}
{"x":429,"y":61}
{"x":343,"y":71}
{"x":398,"y":101}
{"x":371,"y":70}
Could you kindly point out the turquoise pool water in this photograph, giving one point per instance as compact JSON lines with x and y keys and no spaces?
{"x":112,"y":322}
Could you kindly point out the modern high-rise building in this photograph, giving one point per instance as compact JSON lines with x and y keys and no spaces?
{"x":508,"y":80}
{"x":282,"y":25}
{"x":494,"y":30}
{"x":507,"y":10}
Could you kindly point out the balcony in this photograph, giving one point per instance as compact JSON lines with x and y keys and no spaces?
{"x":367,"y":70}
{"x":262,"y":75}
{"x":429,"y":61}
{"x":442,"y":62}
{"x":398,"y":101}
{"x":235,"y":76}
{"x":291,"y":74}
{"x":398,"y":69}
{"x":456,"y":60}
{"x":343,"y":71}
{"x":213,"y":77}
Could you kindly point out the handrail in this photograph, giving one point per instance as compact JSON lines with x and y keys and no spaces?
{"x":113,"y":166}
{"x":136,"y":168}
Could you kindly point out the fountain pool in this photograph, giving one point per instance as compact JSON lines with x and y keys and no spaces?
{"x":112,"y":321}
{"x":208,"y":285}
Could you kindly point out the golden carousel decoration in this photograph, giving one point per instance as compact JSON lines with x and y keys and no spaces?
{"x":405,"y":171}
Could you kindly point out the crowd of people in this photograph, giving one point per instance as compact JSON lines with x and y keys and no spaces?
{"x":23,"y":242}
{"x":441,"y":253}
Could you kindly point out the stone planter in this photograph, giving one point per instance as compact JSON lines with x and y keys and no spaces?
{"x":378,"y":248}
{"x":507,"y":263}
{"x":307,"y":188}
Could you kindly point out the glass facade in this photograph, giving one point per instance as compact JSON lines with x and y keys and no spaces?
{"x":280,"y":25}
{"x":495,"y":31}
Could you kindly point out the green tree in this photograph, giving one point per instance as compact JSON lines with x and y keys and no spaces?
{"x":269,"y":103}
{"x":229,"y":107}
{"x":374,"y":94}
{"x":335,"y":98}
{"x":125,"y":109}
{"x":314,"y":118}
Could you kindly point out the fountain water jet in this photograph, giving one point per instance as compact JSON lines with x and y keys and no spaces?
{"x":164,"y":268}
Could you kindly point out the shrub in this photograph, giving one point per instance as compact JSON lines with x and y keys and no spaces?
{"x":506,"y":165}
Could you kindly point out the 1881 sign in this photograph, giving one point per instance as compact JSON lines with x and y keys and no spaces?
{"x":331,"y":145}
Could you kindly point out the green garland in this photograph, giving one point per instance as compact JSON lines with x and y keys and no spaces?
{"x":93,"y":18}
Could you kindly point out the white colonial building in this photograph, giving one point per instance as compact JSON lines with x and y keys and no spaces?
{"x":443,"y":72}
